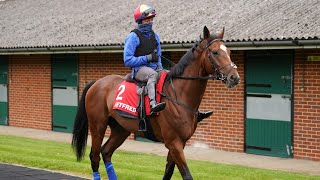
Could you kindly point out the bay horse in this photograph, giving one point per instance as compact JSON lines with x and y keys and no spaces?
{"x":183,"y":91}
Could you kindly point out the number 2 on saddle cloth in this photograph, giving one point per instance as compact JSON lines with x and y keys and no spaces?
{"x":127,"y":99}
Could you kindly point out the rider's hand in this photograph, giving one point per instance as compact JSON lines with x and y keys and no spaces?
{"x":153,"y":57}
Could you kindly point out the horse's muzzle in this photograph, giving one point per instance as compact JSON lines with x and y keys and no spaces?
{"x":232,"y":80}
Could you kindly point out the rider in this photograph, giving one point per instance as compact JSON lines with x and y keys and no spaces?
{"x":142,"y":53}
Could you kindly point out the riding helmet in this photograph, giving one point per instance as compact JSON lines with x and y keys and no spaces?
{"x":143,"y":11}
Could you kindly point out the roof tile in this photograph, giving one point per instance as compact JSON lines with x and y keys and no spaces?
{"x":55,"y":23}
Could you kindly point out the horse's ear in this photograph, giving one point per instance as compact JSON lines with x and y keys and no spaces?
{"x":206,"y":32}
{"x":221,"y":34}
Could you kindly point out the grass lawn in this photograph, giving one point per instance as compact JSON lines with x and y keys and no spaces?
{"x":59,"y":156}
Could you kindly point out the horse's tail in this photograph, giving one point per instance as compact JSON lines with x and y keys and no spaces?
{"x":80,"y":128}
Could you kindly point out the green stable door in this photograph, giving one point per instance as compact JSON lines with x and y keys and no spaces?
{"x":3,"y":90}
{"x":64,"y":91}
{"x":268,"y":124}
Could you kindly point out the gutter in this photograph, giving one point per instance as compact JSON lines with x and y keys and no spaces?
{"x":63,"y":50}
{"x":241,"y":45}
{"x":258,"y":45}
{"x":253,"y":45}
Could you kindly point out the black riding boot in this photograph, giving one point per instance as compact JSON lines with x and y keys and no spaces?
{"x":203,"y":115}
{"x":155,"y":107}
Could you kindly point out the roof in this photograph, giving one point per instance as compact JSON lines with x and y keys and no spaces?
{"x":56,"y":23}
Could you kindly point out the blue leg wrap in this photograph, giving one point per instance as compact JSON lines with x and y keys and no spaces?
{"x":96,"y":175}
{"x":110,"y":171}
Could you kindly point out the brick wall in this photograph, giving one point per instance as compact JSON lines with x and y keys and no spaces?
{"x":29,"y":88}
{"x":306,"y":106}
{"x":95,"y":66}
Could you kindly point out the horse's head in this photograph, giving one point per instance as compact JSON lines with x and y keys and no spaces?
{"x":217,"y":59}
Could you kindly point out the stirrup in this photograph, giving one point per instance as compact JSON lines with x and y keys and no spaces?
{"x":157,"y":107}
{"x":142,"y":125}
{"x":203,"y":115}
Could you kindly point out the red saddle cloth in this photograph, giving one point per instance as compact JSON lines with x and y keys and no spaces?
{"x":127,"y":98}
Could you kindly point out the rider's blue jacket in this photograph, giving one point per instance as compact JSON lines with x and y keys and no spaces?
{"x":131,"y":43}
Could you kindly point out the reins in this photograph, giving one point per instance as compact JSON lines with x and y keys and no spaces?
{"x":168,"y":60}
{"x":218,"y":76}
{"x":175,"y":100}
{"x":213,"y":77}
{"x":179,"y":103}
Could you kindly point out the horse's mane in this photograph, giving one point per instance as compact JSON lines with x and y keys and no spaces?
{"x":183,"y":63}
{"x":187,"y":58}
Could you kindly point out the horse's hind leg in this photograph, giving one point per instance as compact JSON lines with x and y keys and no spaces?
{"x":169,"y":168}
{"x":117,"y":137}
{"x":97,"y":129}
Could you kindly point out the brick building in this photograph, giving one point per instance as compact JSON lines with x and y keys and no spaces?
{"x":49,"y":50}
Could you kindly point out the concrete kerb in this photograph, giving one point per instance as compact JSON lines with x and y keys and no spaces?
{"x":191,"y":152}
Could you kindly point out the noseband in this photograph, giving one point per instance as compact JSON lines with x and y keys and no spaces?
{"x":219,"y":74}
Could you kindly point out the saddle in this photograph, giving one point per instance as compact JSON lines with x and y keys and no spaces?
{"x":132,"y":101}
{"x":129,"y":78}
{"x":141,"y":108}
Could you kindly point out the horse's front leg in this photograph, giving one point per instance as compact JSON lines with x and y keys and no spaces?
{"x":169,"y":168}
{"x":177,"y":154}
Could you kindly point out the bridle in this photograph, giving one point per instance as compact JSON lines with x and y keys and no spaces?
{"x":219,"y":74}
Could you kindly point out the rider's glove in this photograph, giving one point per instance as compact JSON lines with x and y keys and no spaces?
{"x":153,"y":57}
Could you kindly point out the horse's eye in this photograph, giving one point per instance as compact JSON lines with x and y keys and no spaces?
{"x":216,"y":53}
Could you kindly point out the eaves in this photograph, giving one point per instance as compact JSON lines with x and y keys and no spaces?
{"x":177,"y":46}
